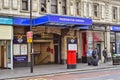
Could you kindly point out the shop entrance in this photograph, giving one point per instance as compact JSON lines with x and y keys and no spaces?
{"x":56,"y":54}
{"x":5,"y":54}
{"x":57,"y":47}
{"x":99,"y":51}
{"x":2,"y":56}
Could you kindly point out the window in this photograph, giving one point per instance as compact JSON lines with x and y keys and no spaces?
{"x":114,"y":15}
{"x":85,"y":9}
{"x":90,"y":9}
{"x":6,"y":3}
{"x":35,"y":5}
{"x":43,"y":5}
{"x":96,"y":10}
{"x":77,"y":7}
{"x":72,"y":9}
{"x":103,"y":11}
{"x":53,"y":6}
{"x":24,"y":4}
{"x":15,"y":4}
{"x":63,"y":6}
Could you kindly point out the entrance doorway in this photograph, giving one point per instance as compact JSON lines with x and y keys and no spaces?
{"x":99,"y":50}
{"x":57,"y":49}
{"x":2,"y":56}
{"x":56,"y":59}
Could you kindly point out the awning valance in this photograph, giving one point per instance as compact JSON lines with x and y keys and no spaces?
{"x":54,"y":20}
{"x":59,"y":20}
{"x":115,"y":28}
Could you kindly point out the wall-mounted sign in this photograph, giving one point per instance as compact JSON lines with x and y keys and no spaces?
{"x":21,"y":21}
{"x":23,"y":49}
{"x":62,"y":20}
{"x":20,"y":58}
{"x":4,"y":20}
{"x":18,"y":40}
{"x":72,"y":44}
{"x":115,"y":28}
{"x":29,"y":36}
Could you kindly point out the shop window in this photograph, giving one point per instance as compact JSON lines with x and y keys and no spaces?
{"x":117,"y":42}
{"x":54,"y":6}
{"x":43,"y":5}
{"x":6,"y":3}
{"x":114,"y":13}
{"x":63,"y":7}
{"x":9,"y":51}
{"x":20,"y":49}
{"x":96,"y":10}
{"x":25,"y":5}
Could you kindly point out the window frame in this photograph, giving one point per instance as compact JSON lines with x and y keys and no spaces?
{"x":96,"y":11}
{"x":64,"y":11}
{"x":15,"y":7}
{"x":103,"y":11}
{"x":44,"y":5}
{"x":26,"y":5}
{"x":6,"y":5}
{"x":77,"y":7}
{"x":55,"y":5}
{"x":90,"y":9}
{"x":114,"y":13}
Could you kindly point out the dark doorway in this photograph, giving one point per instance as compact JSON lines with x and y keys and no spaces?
{"x":99,"y":50}
{"x":56,"y":54}
{"x":2,"y":57}
{"x":57,"y":48}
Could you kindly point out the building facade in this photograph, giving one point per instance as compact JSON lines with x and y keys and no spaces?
{"x":51,"y":41}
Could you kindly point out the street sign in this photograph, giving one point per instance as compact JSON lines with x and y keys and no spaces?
{"x":29,"y":36}
{"x":29,"y":40}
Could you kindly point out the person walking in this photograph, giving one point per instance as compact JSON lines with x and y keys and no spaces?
{"x":89,"y":56}
{"x":95,"y":57}
{"x":105,"y":55}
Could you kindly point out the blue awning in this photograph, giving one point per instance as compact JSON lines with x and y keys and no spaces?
{"x":58,"y":20}
{"x":6,"y":20}
{"x":21,"y":21}
{"x":115,"y":28}
{"x":54,"y":20}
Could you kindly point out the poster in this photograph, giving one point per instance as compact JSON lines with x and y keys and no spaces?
{"x":16,"y":49}
{"x":72,"y":44}
{"x":23,"y":49}
{"x":72,"y":47}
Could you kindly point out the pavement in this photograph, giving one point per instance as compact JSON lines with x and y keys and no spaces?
{"x":49,"y":69}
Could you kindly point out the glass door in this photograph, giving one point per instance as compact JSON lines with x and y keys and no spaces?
{"x":9,"y":54}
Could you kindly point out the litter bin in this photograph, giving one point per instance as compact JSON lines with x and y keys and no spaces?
{"x":71,"y":59}
{"x":116,"y":59}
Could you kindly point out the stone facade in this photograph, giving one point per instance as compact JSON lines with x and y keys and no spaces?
{"x":103,"y":16}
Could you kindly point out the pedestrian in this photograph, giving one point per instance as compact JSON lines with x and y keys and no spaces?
{"x":105,"y":55}
{"x":95,"y":57}
{"x":89,"y":56}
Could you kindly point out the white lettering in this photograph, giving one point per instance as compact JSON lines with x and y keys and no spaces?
{"x":78,"y":20}
{"x":73,"y":20}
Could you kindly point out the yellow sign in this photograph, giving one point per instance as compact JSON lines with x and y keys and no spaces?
{"x":29,"y":40}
